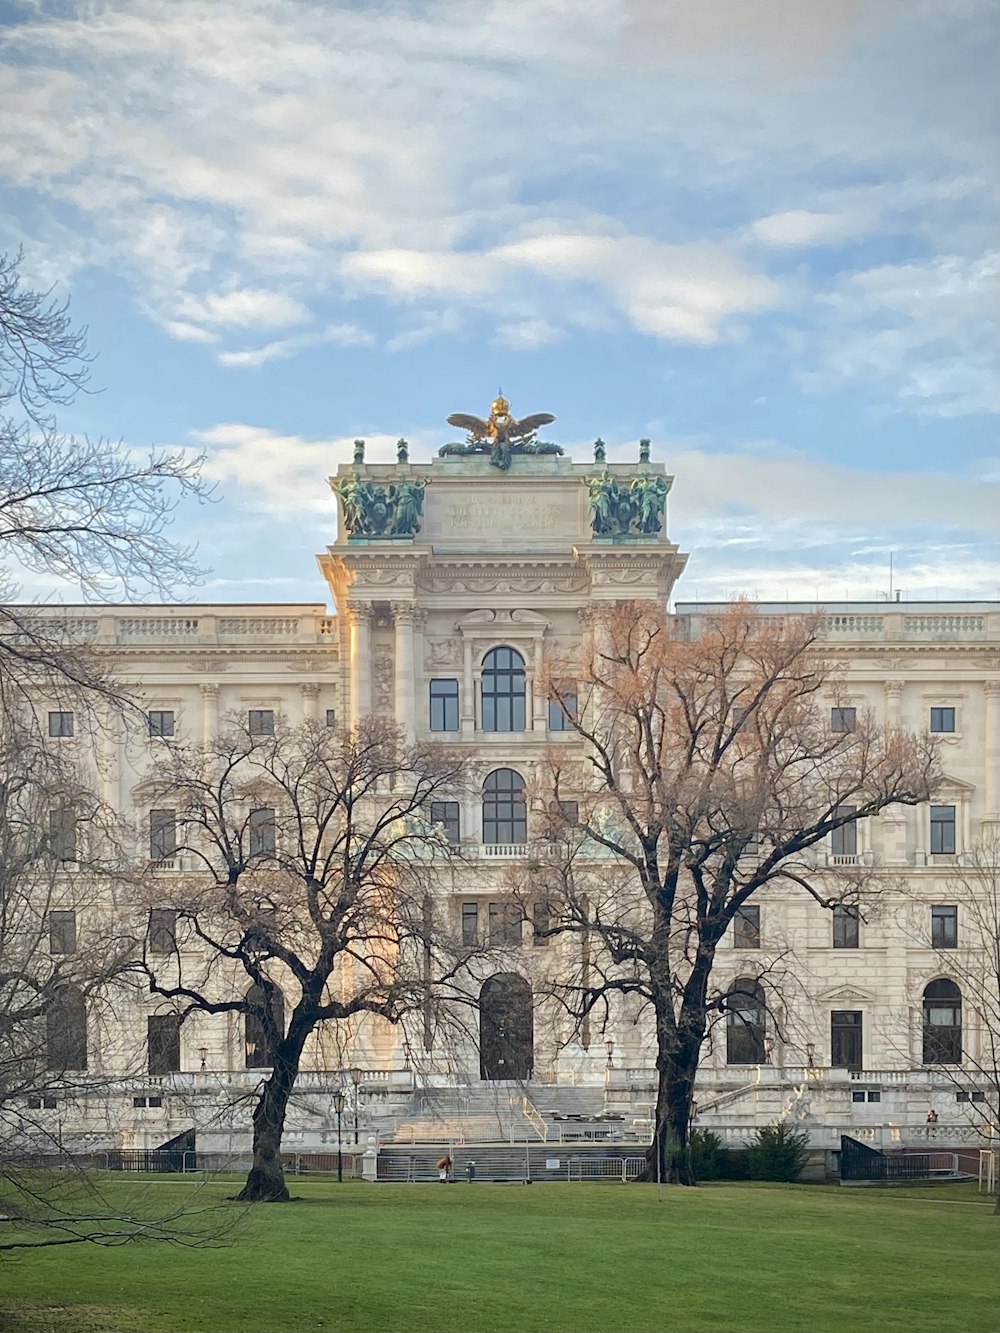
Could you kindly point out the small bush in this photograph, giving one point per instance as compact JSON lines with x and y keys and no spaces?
{"x":705,"y":1148}
{"x":734,"y":1164}
{"x":777,"y":1152}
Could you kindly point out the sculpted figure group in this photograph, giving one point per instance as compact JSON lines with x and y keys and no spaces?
{"x":381,"y":511}
{"x":620,"y":510}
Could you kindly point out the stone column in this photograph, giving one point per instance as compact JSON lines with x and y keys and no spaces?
{"x":359,"y":614}
{"x":892,"y":822}
{"x":403,"y":613}
{"x":893,"y":690}
{"x":310,"y":697}
{"x":468,"y":691}
{"x":991,"y":739}
{"x":209,"y":710}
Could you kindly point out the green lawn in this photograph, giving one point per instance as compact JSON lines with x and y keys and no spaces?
{"x":569,"y":1257}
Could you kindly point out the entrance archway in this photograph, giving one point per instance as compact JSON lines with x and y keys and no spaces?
{"x":506,"y":1028}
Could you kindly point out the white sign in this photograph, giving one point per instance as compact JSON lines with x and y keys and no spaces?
{"x":552,"y":1163}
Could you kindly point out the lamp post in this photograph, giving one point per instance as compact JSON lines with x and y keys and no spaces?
{"x":338,"y":1106}
{"x":355,"y":1075}
{"x":609,"y":1046}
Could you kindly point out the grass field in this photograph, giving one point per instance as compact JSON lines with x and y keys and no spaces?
{"x":571,"y":1258}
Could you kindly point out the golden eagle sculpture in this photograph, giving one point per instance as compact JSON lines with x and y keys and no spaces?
{"x":500,"y":434}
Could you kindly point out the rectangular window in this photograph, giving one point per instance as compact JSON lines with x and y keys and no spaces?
{"x":470,"y":923}
{"x":260,"y":721}
{"x":162,"y":930}
{"x":843,"y":719}
{"x":541,"y":920}
{"x":746,"y":927}
{"x":944,"y":927}
{"x":569,"y":812}
{"x":62,"y":834}
{"x":161,"y":722}
{"x":942,"y":719}
{"x":505,"y":924}
{"x":562,"y":713}
{"x":62,"y":932}
{"x":60,"y":724}
{"x":845,"y":927}
{"x":844,"y":840}
{"x":42,"y":1103}
{"x":845,"y":1039}
{"x":449,"y":814}
{"x":942,"y":830}
{"x":331,"y":717}
{"x":162,"y":834}
{"x":262,"y":834}
{"x":163,"y":1046}
{"x":875,"y":1095}
{"x":444,"y":705}
{"x":857,"y":1094}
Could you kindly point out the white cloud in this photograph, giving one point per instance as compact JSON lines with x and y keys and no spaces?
{"x":246,"y":306}
{"x":798,"y":227}
{"x":340,"y":335}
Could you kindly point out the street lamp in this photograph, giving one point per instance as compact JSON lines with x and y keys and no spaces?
{"x":355,"y":1077}
{"x":338,"y":1105}
{"x":609,"y":1046}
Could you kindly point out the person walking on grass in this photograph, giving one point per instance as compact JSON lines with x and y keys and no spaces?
{"x":444,"y":1165}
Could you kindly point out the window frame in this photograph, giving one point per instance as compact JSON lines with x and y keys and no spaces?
{"x":449,"y":815}
{"x":503,"y":689}
{"x":937,"y":713}
{"x":163,"y":1056}
{"x":746,"y":926}
{"x":470,"y":923}
{"x":161,"y":728}
{"x":259,"y":844}
{"x":941,"y":1042}
{"x":846,"y":926}
{"x":561,"y":714}
{"x":944,"y":913}
{"x":161,"y":932}
{"x":65,"y":727}
{"x":61,"y":925}
{"x":844,"y":838}
{"x":943,"y":831}
{"x":840,"y":1057}
{"x":260,"y":721}
{"x":500,"y":810}
{"x":504,"y":924}
{"x":443,"y":706}
{"x":843,"y":719}
{"x":167,"y":850}
{"x":63,"y":834}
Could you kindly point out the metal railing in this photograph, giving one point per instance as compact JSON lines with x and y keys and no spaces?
{"x":605,"y":1168}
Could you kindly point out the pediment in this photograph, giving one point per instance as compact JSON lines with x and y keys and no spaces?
{"x":949,"y":784}
{"x":847,"y":995}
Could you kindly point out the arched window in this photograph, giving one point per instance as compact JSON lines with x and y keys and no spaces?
{"x":506,"y":1028}
{"x":265,"y":1025}
{"x":942,"y":1023}
{"x":503,"y":690}
{"x":505,"y":815}
{"x":746,"y":1012}
{"x":66,"y":1030}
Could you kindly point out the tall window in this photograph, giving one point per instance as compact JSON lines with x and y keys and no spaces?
{"x":66,"y":1030}
{"x":844,"y":840}
{"x":260,"y":721}
{"x":843,"y":719}
{"x":262,"y":834}
{"x":942,"y":1023}
{"x":331,"y":717}
{"x":62,"y":932}
{"x":62,"y":833}
{"x":846,"y":934}
{"x":470,"y":923}
{"x":944,"y":927}
{"x":503,"y":690}
{"x":505,"y":815}
{"x":746,"y":1012}
{"x":161,"y":722}
{"x":541,"y":921}
{"x":942,"y":719}
{"x":162,"y":834}
{"x":163,"y":1043}
{"x":60,"y":724}
{"x":444,"y":705}
{"x":746,"y":927}
{"x":449,"y":814}
{"x":505,"y":924}
{"x":942,"y":830}
{"x":162,"y":930}
{"x":265,"y":1025}
{"x":845,"y":1038}
{"x":562,"y":712}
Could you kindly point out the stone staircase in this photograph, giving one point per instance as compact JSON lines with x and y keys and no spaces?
{"x":483,"y":1113}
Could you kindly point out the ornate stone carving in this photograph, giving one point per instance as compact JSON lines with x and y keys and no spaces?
{"x":500,"y":435}
{"x":443,"y":653}
{"x":383,"y":675}
{"x":635,"y":510}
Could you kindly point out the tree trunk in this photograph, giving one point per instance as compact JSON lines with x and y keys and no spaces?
{"x":668,"y":1158}
{"x":266,"y":1181}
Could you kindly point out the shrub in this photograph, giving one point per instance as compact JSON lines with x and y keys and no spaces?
{"x":734,"y":1164}
{"x":705,"y":1148}
{"x":777,"y":1152}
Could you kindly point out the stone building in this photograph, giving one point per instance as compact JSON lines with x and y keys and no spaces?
{"x":449,"y":581}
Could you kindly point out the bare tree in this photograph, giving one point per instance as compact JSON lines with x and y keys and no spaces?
{"x":712,"y":771}
{"x":310,"y":895}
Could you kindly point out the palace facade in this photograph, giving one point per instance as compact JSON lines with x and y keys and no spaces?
{"x":449,"y":581}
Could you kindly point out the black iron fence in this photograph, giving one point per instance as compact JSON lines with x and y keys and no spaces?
{"x":859,"y":1162}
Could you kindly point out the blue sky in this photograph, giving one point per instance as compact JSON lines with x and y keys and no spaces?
{"x":762,"y":232}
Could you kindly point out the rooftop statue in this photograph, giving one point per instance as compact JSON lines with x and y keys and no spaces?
{"x":632,"y":510}
{"x":381,"y":511}
{"x":500,"y":435}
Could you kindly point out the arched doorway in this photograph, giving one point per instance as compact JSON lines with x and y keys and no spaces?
{"x":506,"y":1028}
{"x":746,"y":1016}
{"x":942,"y":1023}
